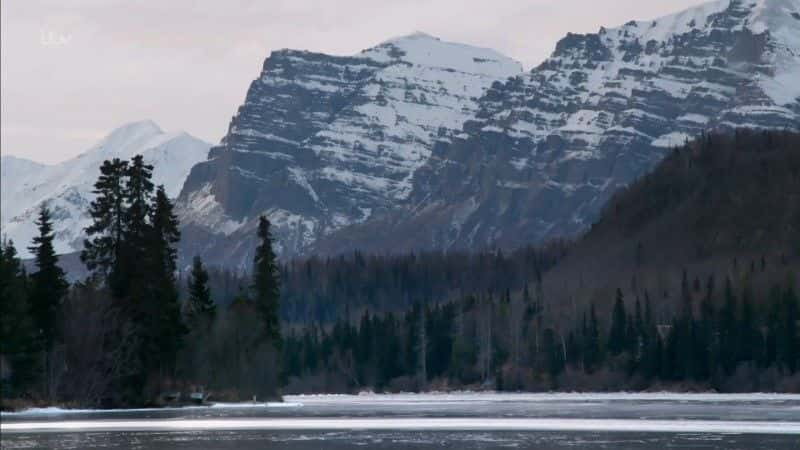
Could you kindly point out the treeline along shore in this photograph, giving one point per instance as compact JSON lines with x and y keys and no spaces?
{"x":687,"y":281}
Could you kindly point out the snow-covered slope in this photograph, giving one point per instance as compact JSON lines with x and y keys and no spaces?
{"x":547,"y":149}
{"x":14,"y":172}
{"x":420,"y":144}
{"x":323,"y":141}
{"x":67,"y":187}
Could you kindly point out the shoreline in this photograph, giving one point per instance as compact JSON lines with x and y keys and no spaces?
{"x":367,"y":397}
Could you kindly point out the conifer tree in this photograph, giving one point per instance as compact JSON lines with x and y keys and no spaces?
{"x":639,"y":328}
{"x":751,"y":341}
{"x":48,"y":288}
{"x":553,"y":352}
{"x":683,"y":334}
{"x":728,"y":333}
{"x":17,"y":334}
{"x":616,"y":335}
{"x":630,"y":335}
{"x":591,"y":342}
{"x":773,"y":327}
{"x":706,"y":356}
{"x":201,"y":309}
{"x":422,"y":346}
{"x":102,"y":251}
{"x":164,"y":235}
{"x":48,"y":284}
{"x":137,"y":234}
{"x":266,"y":283}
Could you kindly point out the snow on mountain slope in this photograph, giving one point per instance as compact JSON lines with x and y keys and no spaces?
{"x":67,"y":187}
{"x":14,"y":172}
{"x":324,"y":141}
{"x":422,"y":144}
{"x":546,"y":150}
{"x":428,"y":89}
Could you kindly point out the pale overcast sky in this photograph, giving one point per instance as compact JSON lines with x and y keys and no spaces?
{"x":72,"y":70}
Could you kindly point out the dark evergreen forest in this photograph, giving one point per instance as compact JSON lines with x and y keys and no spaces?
{"x":687,"y":281}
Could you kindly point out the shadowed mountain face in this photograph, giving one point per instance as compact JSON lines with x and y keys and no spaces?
{"x":723,"y":207}
{"x":403,"y":146}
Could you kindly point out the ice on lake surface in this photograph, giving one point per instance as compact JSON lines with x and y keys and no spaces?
{"x":438,"y":420}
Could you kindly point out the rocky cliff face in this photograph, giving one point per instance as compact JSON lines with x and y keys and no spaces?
{"x":546,"y":149}
{"x":420,"y":144}
{"x":323,"y":142}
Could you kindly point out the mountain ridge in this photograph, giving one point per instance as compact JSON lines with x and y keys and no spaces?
{"x":66,"y":187}
{"x":324,"y":141}
{"x":548,"y":148}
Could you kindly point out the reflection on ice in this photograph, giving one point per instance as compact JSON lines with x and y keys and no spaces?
{"x":55,"y":411}
{"x":467,"y":397}
{"x":422,"y":424}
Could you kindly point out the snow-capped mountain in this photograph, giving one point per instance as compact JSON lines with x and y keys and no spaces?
{"x":322,"y":142}
{"x":547,"y":149}
{"x":67,"y":187}
{"x":420,"y":144}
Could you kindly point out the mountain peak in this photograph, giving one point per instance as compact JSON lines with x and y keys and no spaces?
{"x":417,"y":35}
{"x":422,"y":49}
{"x":123,"y":139}
{"x":67,"y":187}
{"x":137,"y":128}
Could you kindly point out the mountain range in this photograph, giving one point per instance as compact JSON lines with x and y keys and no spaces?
{"x":66,"y":188}
{"x":419,"y":144}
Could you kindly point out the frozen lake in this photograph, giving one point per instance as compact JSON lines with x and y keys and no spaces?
{"x":467,"y":420}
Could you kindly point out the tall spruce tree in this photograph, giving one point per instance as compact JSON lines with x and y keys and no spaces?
{"x":591,"y":342}
{"x":201,"y":309}
{"x":17,"y":333}
{"x":684,"y":333}
{"x":706,"y":354}
{"x":169,"y":328}
{"x":617,"y":333}
{"x":48,"y":284}
{"x":102,"y":251}
{"x":48,"y":288}
{"x":266,"y":283}
{"x":728,"y":332}
{"x":137,"y":235}
{"x":554,"y":354}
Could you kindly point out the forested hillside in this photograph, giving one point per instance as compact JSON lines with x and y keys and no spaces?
{"x":689,"y":280}
{"x":725,"y":205}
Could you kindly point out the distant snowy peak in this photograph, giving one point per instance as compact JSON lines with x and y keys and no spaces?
{"x":15,"y":167}
{"x":13,"y":172}
{"x":777,"y":21}
{"x":129,"y":136}
{"x":779,"y":17}
{"x":67,"y":187}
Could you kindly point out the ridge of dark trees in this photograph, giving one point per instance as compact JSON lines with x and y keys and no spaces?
{"x":722,"y":340}
{"x":688,"y":280}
